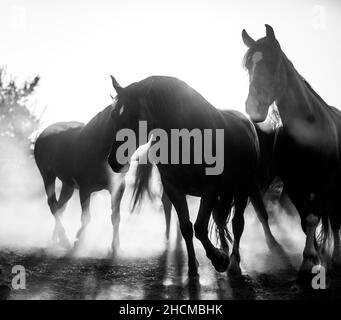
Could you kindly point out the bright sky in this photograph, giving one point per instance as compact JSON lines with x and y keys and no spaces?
{"x":76,"y":44}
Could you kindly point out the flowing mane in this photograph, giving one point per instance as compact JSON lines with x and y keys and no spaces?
{"x":164,"y":91}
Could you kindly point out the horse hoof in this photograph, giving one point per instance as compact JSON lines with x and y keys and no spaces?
{"x":65,"y":244}
{"x":113,"y":254}
{"x":75,"y":249}
{"x":221,"y":261}
{"x":304,"y":278}
{"x":295,"y":288}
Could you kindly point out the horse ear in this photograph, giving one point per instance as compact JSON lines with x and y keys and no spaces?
{"x":249,"y":42}
{"x":270,"y":34}
{"x":115,"y":84}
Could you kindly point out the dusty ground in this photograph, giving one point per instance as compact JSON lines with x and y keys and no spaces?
{"x":148,"y":268}
{"x":162,"y":276}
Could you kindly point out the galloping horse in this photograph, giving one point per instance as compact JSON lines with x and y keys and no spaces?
{"x":169,"y":104}
{"x":77,"y":154}
{"x":308,"y":146}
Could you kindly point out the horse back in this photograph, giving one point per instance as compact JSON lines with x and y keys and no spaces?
{"x":54,"y":149}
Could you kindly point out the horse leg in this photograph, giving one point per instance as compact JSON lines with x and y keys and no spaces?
{"x":181,"y":207}
{"x":336,"y":257}
{"x":49,"y":184}
{"x":59,"y":231}
{"x":167,"y":207}
{"x":116,"y":197}
{"x":238,"y":228}
{"x":258,"y":204}
{"x":84,"y":195}
{"x":219,"y":259}
{"x":310,"y":257}
{"x":49,"y":179}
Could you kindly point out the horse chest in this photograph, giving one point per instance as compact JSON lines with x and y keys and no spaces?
{"x":305,"y":163}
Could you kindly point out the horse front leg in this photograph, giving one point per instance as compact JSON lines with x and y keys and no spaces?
{"x":186,"y":227}
{"x":310,"y":256}
{"x":219,"y":258}
{"x":116,"y":197}
{"x":258,"y":204}
{"x":167,"y":207}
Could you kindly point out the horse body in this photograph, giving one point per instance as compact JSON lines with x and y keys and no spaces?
{"x":59,"y":139}
{"x":77,"y":155}
{"x":169,"y":103}
{"x":308,"y":146}
{"x":240,"y":147}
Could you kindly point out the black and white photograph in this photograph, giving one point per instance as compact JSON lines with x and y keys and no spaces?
{"x":170,"y":150}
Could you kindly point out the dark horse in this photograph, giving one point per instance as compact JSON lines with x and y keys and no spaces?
{"x":77,"y":154}
{"x":308,"y":146}
{"x":169,"y":104}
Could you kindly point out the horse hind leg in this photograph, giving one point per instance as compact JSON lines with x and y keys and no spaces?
{"x":49,"y":184}
{"x":167,"y":207}
{"x":336,"y":256}
{"x":258,"y":204}
{"x":238,"y":228}
{"x":84,"y":195}
{"x":59,"y":231}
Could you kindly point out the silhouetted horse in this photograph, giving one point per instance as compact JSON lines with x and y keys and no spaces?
{"x":308,"y":146}
{"x":77,"y":155}
{"x":167,"y":103}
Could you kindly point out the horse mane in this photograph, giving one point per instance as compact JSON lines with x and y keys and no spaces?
{"x":163,"y":92}
{"x":101,"y":117}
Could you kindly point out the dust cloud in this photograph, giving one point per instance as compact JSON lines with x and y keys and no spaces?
{"x":27,"y":225}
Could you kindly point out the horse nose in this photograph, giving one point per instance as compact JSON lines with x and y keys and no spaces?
{"x":252,"y":107}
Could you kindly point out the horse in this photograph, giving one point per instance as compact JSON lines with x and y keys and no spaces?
{"x":170,"y":104}
{"x":77,"y":153}
{"x":308,"y":146}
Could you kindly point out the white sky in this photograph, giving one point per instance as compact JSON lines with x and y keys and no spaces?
{"x":75,"y":46}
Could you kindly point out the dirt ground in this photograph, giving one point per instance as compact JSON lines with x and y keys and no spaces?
{"x":162,"y":276}
{"x":148,"y":267}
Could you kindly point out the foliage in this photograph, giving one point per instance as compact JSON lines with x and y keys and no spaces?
{"x":17,"y":120}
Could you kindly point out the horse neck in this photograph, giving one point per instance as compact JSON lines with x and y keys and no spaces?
{"x":197,"y":114}
{"x":303,"y":113}
{"x":98,"y":134}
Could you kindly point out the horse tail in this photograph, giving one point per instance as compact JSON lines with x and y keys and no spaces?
{"x":47,"y":174}
{"x":221,"y":214}
{"x":325,"y":235}
{"x":141,"y":184}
